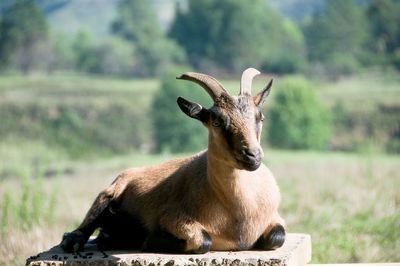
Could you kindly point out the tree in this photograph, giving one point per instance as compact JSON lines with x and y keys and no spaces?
{"x":297,"y":120}
{"x":337,"y":36}
{"x":23,"y":32}
{"x":231,"y":34}
{"x":173,"y":130}
{"x":115,"y":57}
{"x":137,"y":23}
{"x":82,"y":45}
{"x":64,"y":56}
{"x":384,"y":20}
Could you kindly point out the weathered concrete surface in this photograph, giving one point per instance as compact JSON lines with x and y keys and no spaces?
{"x":359,"y":264}
{"x":295,"y":252}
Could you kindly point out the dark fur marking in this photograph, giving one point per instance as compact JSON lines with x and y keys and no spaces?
{"x":162,"y":241}
{"x":228,"y":135}
{"x":274,"y":239}
{"x":225,"y":126}
{"x":120,"y":231}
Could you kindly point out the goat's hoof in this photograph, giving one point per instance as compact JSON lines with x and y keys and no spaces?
{"x":73,"y":241}
{"x":276,"y":237}
{"x":206,"y":246}
{"x":273,"y":240}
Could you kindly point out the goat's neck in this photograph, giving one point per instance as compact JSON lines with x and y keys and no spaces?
{"x":225,"y":180}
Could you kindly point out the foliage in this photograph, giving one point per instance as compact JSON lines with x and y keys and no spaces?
{"x":80,"y":129}
{"x":384,"y":22}
{"x":232,"y":35}
{"x":82,"y":46}
{"x":29,"y":207}
{"x":337,"y":36}
{"x":112,"y":56}
{"x":154,"y":52}
{"x":173,"y":130}
{"x":297,"y":120}
{"x":226,"y":36}
{"x":291,"y":56}
{"x":63,"y":53}
{"x":137,"y":21}
{"x":5,"y":211}
{"x":116,"y":57}
{"x":376,"y":130}
{"x":81,"y":115}
{"x":23,"y":32}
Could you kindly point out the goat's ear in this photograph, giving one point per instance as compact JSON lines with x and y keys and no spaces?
{"x":193,"y":110}
{"x":259,"y":99}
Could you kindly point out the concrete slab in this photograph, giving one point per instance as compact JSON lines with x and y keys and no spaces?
{"x":359,"y":264}
{"x":295,"y":252}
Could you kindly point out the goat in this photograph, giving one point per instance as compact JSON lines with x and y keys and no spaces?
{"x":223,"y":198}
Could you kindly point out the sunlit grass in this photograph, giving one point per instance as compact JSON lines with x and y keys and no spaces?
{"x":349,"y":203}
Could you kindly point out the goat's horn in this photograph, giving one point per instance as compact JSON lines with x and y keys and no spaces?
{"x":247,"y":79}
{"x":210,"y":84}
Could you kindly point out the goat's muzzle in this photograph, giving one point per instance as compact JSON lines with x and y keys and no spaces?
{"x":250,"y":159}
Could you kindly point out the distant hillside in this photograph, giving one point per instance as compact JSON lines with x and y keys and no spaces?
{"x":69,"y":16}
{"x":298,"y":9}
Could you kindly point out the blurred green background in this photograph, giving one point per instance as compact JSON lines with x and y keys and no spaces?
{"x":87,"y":89}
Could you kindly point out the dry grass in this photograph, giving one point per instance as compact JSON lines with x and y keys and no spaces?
{"x":350,"y":204}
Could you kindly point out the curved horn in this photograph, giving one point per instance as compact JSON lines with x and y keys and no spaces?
{"x":210,"y":84}
{"x":247,"y":79}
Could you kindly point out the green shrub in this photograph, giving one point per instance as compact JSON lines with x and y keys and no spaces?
{"x":341,"y":64}
{"x":374,"y":130}
{"x":396,"y":58}
{"x":5,"y":210}
{"x":32,"y":205}
{"x":79,"y":128}
{"x":297,"y":120}
{"x":173,"y":130}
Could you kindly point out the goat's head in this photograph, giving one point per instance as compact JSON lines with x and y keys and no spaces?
{"x":234,"y":122}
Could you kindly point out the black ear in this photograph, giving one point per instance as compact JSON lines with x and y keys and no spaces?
{"x":259,"y":99}
{"x":193,"y":110}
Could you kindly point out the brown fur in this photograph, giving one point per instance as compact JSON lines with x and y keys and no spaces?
{"x":210,"y":191}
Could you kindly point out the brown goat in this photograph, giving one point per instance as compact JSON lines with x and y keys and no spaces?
{"x":223,"y":198}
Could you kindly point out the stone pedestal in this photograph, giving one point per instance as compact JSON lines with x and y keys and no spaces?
{"x":295,"y":252}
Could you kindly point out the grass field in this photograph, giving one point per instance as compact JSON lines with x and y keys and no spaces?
{"x":348,"y":202}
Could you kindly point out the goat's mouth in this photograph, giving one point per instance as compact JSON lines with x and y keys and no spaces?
{"x":249,"y":163}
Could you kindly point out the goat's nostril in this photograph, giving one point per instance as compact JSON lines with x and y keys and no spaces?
{"x":250,"y":153}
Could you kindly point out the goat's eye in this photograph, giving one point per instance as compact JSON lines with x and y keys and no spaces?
{"x":216,"y":123}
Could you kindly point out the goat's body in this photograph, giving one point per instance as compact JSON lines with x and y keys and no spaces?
{"x":179,"y":192}
{"x":220,"y":199}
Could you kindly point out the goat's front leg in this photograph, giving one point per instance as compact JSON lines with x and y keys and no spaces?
{"x":182,"y":235}
{"x":75,"y":240}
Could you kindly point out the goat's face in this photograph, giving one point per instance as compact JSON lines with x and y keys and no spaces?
{"x":234,"y":123}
